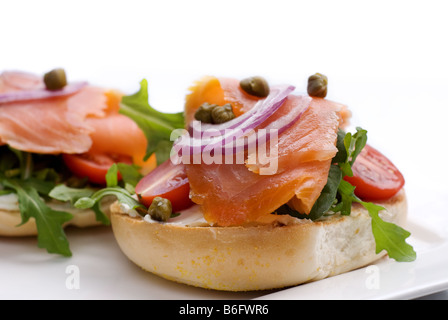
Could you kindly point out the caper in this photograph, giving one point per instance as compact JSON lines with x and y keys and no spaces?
{"x":160,"y":209}
{"x":317,"y":85}
{"x":204,"y":113}
{"x":55,"y":79}
{"x":222,"y":114}
{"x":256,"y":86}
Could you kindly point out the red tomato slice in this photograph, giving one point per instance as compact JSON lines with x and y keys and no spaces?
{"x":168,"y":181}
{"x":94,"y":166}
{"x":374,"y":176}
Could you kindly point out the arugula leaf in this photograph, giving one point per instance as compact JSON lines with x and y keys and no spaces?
{"x":157,"y":126}
{"x":122,"y":195}
{"x":341,"y":155}
{"x":26,"y":162}
{"x":130,"y":176}
{"x":389,"y":236}
{"x":129,"y":173}
{"x":328,"y":194}
{"x":353,"y":144}
{"x":359,"y":140}
{"x":112,"y":189}
{"x":18,"y":175}
{"x":345,"y":192}
{"x":67,"y":194}
{"x":4,"y":192}
{"x":112,"y":176}
{"x":49,"y":222}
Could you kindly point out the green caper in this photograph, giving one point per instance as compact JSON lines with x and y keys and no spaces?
{"x":160,"y":209}
{"x":317,"y":85}
{"x":256,"y":86}
{"x":204,"y":113}
{"x":55,"y":79}
{"x":222,"y":114}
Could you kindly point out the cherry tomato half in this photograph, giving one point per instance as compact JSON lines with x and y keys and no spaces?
{"x":374,"y":176}
{"x":168,"y":181}
{"x":94,"y":166}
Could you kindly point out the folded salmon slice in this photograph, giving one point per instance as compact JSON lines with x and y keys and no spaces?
{"x":232,"y":195}
{"x":235,"y":194}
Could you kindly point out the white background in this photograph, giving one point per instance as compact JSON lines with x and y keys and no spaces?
{"x":387,"y":60}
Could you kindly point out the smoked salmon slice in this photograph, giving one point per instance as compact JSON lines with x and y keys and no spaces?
{"x":231,"y":195}
{"x":236,"y":194}
{"x":86,"y":121}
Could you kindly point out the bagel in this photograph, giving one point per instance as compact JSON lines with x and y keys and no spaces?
{"x":284,"y":252}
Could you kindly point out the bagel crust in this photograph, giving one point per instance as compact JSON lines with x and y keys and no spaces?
{"x":283,"y":253}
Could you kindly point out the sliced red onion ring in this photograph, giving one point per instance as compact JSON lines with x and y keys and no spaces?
{"x":39,"y":94}
{"x":222,"y":137}
{"x":263,"y":135}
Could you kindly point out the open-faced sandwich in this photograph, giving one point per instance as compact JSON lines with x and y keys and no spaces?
{"x":59,"y":133}
{"x":259,"y":187}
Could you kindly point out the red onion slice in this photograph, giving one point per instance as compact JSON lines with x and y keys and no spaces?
{"x":206,"y":137}
{"x":39,"y":94}
{"x":263,"y":135}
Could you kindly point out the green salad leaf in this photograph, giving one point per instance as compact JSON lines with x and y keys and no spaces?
{"x":36,"y":179}
{"x":18,"y":175}
{"x":64,"y":193}
{"x":157,"y":126}
{"x":89,"y":198}
{"x":122,"y":194}
{"x":389,"y":236}
{"x":49,"y":222}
